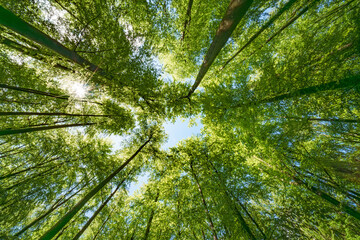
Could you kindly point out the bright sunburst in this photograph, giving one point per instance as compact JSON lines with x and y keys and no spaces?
{"x":77,"y":89}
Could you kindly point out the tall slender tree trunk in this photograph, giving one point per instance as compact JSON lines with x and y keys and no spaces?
{"x":5,"y":153}
{"x":92,"y":218}
{"x":47,"y":94}
{"x":87,"y":224}
{"x":234,"y":13}
{"x":195,"y":237}
{"x":335,"y":85}
{"x":36,"y":129}
{"x":12,"y":154}
{"x":52,"y":114}
{"x":313,"y":119}
{"x":48,"y":212}
{"x":263,"y":28}
{"x":27,"y":169}
{"x":211,"y":224}
{"x":46,"y":124}
{"x":13,"y":22}
{"x":67,"y":217}
{"x":187,"y":19}
{"x":148,"y":226}
{"x":352,"y":212}
{"x":33,"y":91}
{"x":203,"y":234}
{"x":70,"y":224}
{"x":350,"y":194}
{"x":234,"y":207}
{"x":288,"y":23}
{"x":29,"y":52}
{"x":50,"y":170}
{"x":102,"y":225}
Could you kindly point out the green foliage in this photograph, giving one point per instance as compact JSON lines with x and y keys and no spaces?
{"x":278,"y":156}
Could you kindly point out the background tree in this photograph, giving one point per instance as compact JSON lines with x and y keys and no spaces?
{"x":278,"y":156}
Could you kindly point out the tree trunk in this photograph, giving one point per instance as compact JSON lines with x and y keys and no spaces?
{"x":29,"y":52}
{"x":328,"y":198}
{"x":26,"y":130}
{"x":187,"y":19}
{"x":203,"y":234}
{"x":53,"y":95}
{"x":51,"y":209}
{"x":211,"y":224}
{"x":350,"y":194}
{"x":70,"y":224}
{"x":52,"y":114}
{"x":102,"y":225}
{"x":148,"y":226}
{"x":263,"y":28}
{"x":287,"y":24}
{"x":28,"y":90}
{"x":87,"y":224}
{"x":13,"y":22}
{"x":238,"y":213}
{"x":195,"y":237}
{"x":304,"y":10}
{"x":233,"y":15}
{"x":32,"y":177}
{"x":320,"y":193}
{"x":40,"y":165}
{"x":335,"y":85}
{"x":5,"y":153}
{"x":65,"y":219}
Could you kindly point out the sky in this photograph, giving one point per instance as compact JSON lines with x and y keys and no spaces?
{"x":180,"y":130}
{"x":176,"y":132}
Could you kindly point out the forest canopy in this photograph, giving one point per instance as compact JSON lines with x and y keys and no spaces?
{"x":275,"y":85}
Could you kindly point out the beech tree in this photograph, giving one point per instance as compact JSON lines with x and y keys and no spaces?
{"x":275,"y":85}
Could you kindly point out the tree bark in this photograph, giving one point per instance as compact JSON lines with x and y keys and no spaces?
{"x":352,"y":212}
{"x":13,"y":22}
{"x":87,"y":224}
{"x":29,"y":52}
{"x":187,"y":19}
{"x":238,"y":213}
{"x":5,"y":153}
{"x":211,"y":224}
{"x":203,"y":234}
{"x":51,"y":209}
{"x":26,"y":130}
{"x":148,"y":226}
{"x":52,"y":114}
{"x":335,"y":85}
{"x":67,"y":217}
{"x":53,"y":169}
{"x":40,"y":165}
{"x":350,"y":194}
{"x":28,"y":90}
{"x":287,"y":24}
{"x":263,"y":28}
{"x":233,"y":15}
{"x":304,"y":10}
{"x":102,"y":225}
